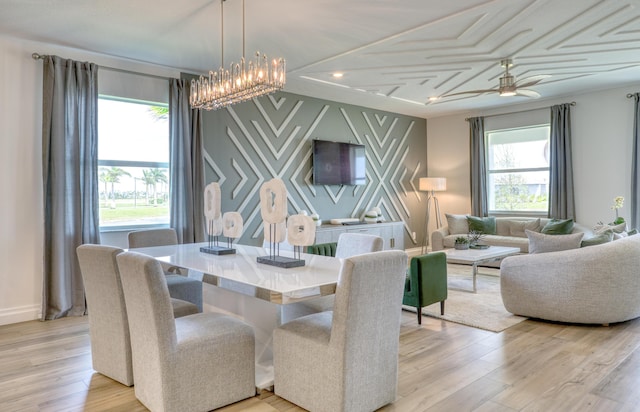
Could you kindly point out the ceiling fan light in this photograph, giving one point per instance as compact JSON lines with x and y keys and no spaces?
{"x":507,"y":93}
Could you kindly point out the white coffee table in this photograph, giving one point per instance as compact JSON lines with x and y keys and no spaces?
{"x":475,"y":257}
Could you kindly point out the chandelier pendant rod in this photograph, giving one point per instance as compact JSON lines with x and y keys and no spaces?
{"x":222,"y":33}
{"x":243,"y":81}
{"x":243,"y":30}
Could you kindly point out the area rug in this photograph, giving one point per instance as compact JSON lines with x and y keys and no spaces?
{"x":483,"y":310}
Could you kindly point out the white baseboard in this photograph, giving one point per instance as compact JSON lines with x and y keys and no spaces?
{"x":19,"y":314}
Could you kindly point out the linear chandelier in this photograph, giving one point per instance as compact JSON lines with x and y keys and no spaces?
{"x":241,"y":82}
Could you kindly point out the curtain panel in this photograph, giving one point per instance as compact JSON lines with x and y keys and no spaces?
{"x":479,"y":204}
{"x":561,"y":190}
{"x":635,"y":170}
{"x":186,"y":166}
{"x":70,"y":180}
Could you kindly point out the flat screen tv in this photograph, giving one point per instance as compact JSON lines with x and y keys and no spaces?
{"x":336,"y":163}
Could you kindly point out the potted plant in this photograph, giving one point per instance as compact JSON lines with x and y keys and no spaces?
{"x":475,"y":238}
{"x":461,"y":243}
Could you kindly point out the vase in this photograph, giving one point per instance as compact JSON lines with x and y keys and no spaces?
{"x":461,"y":246}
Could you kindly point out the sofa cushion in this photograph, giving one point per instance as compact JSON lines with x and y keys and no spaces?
{"x":542,"y":243}
{"x":517,"y":228}
{"x":598,"y":239}
{"x":558,"y":227}
{"x":457,"y":224}
{"x":486,"y":225}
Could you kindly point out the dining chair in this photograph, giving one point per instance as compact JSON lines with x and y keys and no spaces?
{"x":426,"y":282}
{"x":323,"y":249}
{"x":108,"y":324}
{"x":180,"y":285}
{"x":346,"y":359}
{"x":199,"y":362}
{"x":348,"y":245}
{"x":351,"y":244}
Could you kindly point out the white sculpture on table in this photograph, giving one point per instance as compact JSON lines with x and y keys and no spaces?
{"x":301,"y":231}
{"x":229,"y":225}
{"x":273,"y":208}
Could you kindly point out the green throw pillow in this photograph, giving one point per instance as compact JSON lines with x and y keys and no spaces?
{"x":558,"y":227}
{"x":604,"y":237}
{"x":486,"y":225}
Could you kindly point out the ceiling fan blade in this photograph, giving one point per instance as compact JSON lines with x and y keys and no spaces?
{"x":472,"y":92}
{"x":527,"y":93}
{"x":530,"y":81}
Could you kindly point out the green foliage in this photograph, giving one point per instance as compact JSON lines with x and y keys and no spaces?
{"x":159,"y":112}
{"x":461,"y":240}
{"x":111,"y":175}
{"x":127,"y":211}
{"x":618,"y":220}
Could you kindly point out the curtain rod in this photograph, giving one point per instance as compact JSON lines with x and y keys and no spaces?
{"x":519,"y":111}
{"x":37,"y":56}
{"x":630,"y":95}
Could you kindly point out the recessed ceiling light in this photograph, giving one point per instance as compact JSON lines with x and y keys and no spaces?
{"x":337,"y":75}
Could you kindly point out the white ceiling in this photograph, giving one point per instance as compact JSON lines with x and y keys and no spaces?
{"x":395,"y":54}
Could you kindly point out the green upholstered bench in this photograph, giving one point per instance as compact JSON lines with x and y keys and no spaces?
{"x":324,"y":249}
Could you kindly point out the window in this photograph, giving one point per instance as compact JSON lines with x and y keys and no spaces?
{"x":518,"y":170}
{"x":133,"y":162}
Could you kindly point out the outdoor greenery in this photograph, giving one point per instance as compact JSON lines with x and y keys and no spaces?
{"x":126,"y":211}
{"x":117,"y":206}
{"x":512,"y":191}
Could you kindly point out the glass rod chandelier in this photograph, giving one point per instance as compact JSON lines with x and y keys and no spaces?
{"x":241,"y":82}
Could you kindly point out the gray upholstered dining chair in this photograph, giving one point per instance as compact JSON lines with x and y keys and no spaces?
{"x":352,"y":244}
{"x":349,"y":244}
{"x":195,"y":363}
{"x":346,"y":359}
{"x":108,"y":324}
{"x":180,"y":285}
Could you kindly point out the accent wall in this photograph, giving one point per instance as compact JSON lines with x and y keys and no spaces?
{"x":247,"y":144}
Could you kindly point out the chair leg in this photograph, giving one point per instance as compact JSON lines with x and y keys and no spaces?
{"x":419,"y":315}
{"x":442,"y":308}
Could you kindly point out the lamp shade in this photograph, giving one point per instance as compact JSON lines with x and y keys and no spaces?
{"x":437,"y":184}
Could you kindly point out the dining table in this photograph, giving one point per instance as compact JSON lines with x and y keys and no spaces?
{"x":264,"y":296}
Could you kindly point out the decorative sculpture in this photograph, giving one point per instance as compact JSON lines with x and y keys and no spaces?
{"x":273,"y":208}
{"x":229,"y":225}
{"x":301,"y":231}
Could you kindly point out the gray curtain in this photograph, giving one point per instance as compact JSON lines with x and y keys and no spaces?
{"x":70,"y":180}
{"x":561,"y":193}
{"x":635,"y":171}
{"x":479,"y":206}
{"x":187,"y":165}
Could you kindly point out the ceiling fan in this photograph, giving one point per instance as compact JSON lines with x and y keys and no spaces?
{"x":508,"y":84}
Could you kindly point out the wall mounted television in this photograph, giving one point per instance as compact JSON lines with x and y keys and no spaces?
{"x":336,"y":163}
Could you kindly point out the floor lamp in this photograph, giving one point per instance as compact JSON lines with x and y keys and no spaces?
{"x":431,"y":185}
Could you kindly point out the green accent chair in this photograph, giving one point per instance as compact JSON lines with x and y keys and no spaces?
{"x":426,"y":282}
{"x":324,"y":249}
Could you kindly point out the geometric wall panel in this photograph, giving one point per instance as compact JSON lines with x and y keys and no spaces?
{"x":250,"y":143}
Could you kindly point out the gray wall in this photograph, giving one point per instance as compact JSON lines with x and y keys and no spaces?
{"x":250,"y":143}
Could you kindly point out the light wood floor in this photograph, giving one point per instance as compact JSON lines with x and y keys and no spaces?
{"x":533,"y":366}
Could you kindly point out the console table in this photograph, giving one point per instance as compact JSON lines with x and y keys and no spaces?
{"x":392,"y":233}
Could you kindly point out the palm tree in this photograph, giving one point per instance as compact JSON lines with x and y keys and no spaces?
{"x":112,"y":175}
{"x":151,"y":177}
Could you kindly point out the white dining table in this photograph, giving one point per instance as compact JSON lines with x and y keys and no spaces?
{"x":262,"y":295}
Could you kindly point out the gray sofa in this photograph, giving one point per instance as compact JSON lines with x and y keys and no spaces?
{"x":509,"y":232}
{"x":594,"y":285}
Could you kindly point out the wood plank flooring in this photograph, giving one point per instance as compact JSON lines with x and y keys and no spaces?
{"x":533,"y":366}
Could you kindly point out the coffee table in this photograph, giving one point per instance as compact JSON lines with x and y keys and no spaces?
{"x":475,"y":257}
